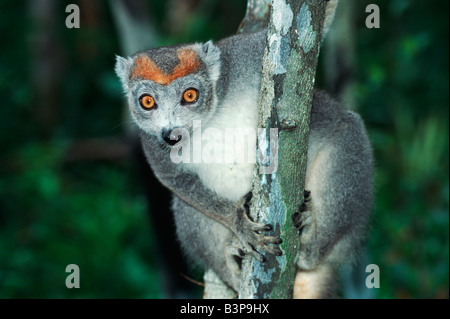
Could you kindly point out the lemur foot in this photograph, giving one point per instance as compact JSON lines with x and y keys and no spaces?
{"x":248,"y":232}
{"x":233,"y":258}
{"x":303,"y":217}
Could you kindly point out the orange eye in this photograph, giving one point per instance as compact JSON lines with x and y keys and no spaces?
{"x":190,"y":96}
{"x":147,"y":102}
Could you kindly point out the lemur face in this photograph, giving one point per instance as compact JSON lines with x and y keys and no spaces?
{"x":168,"y":88}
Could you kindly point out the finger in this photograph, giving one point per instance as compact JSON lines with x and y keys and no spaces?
{"x":261,"y":227}
{"x":248,"y":197}
{"x":257,"y":255}
{"x":272,"y":240}
{"x":274,"y":250}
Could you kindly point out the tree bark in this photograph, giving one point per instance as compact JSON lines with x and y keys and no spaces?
{"x":289,"y":65}
{"x":256,"y":17}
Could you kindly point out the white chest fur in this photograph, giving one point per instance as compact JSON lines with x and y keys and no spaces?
{"x":224,"y":159}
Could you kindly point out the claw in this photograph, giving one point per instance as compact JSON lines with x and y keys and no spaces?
{"x":258,"y":256}
{"x":306,"y":195}
{"x":273,"y":250}
{"x":248,"y":197}
{"x":302,"y":207}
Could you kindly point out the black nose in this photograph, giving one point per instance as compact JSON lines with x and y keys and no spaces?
{"x":170,"y":138}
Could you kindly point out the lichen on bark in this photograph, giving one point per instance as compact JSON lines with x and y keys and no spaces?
{"x":289,"y":64}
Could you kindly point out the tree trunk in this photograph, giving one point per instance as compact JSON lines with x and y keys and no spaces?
{"x":256,"y":17}
{"x":289,"y":65}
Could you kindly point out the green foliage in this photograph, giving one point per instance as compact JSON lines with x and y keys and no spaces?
{"x":85,"y":214}
{"x":54,"y":212}
{"x":403,"y":97}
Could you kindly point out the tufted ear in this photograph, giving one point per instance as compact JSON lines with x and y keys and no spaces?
{"x":211,"y":57}
{"x":123,"y":69}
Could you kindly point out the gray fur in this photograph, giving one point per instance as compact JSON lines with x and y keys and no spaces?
{"x":209,"y":200}
{"x":123,"y":68}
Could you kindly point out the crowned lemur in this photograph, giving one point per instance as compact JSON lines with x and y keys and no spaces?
{"x":172,"y":88}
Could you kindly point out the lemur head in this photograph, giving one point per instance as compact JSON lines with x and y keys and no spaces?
{"x":170,"y":87}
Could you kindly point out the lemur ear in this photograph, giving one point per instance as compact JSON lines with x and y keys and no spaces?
{"x":123,"y":68}
{"x":211,"y":57}
{"x":206,"y":46}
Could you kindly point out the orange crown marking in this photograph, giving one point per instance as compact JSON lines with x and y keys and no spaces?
{"x":147,"y":69}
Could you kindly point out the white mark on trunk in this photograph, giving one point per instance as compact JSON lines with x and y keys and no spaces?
{"x":283,"y":16}
{"x":306,"y":35}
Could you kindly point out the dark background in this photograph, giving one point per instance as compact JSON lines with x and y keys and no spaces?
{"x":69,"y":192}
